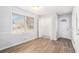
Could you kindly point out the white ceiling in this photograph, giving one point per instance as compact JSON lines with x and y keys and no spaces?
{"x":43,"y":10}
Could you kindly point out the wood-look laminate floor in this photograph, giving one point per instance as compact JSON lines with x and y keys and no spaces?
{"x":43,"y":45}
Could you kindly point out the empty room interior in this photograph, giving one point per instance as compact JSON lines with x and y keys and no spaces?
{"x":39,"y":29}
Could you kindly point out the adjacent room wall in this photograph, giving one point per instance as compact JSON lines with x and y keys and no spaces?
{"x":7,"y":38}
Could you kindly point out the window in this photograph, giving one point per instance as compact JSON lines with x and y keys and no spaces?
{"x":22,"y":23}
{"x":29,"y":23}
{"x":18,"y":23}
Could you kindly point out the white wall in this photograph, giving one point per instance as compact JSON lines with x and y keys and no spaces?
{"x":44,"y":25}
{"x":47,"y":26}
{"x":7,"y":38}
{"x":75,"y":36}
{"x":5,"y":15}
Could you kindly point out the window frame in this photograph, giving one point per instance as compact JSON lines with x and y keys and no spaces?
{"x":13,"y":21}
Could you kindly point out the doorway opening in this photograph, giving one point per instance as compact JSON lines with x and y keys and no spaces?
{"x":64,"y":26}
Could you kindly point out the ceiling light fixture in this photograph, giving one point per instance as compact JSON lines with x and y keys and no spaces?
{"x":36,"y":7}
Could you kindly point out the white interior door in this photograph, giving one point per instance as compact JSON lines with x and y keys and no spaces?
{"x":64,"y":27}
